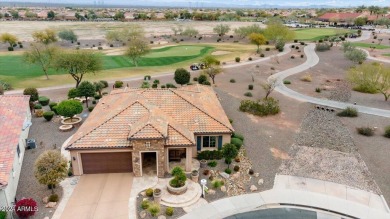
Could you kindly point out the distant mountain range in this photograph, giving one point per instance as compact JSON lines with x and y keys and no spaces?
{"x":140,"y":4}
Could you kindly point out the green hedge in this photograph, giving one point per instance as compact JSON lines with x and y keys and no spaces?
{"x":239,"y":136}
{"x":210,"y":155}
{"x":52,"y":104}
{"x":44,"y":101}
{"x":237,"y":142}
{"x":263,"y":107}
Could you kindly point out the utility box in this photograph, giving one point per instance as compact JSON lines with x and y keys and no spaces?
{"x":31,"y":143}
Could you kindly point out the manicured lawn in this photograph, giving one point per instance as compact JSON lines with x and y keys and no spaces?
{"x":368,"y":45}
{"x":318,"y":33}
{"x":13,"y":69}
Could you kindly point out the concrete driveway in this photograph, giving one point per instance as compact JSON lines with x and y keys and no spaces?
{"x":100,"y":196}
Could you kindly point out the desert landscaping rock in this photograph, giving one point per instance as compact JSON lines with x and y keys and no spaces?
{"x":51,"y":205}
{"x":161,"y":217}
{"x":223,"y":188}
{"x":45,"y":200}
{"x":253,"y":188}
{"x":224,"y":175}
{"x":211,"y":192}
{"x":142,"y":214}
{"x":260,"y":182}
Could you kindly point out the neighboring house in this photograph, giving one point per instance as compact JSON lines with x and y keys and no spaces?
{"x":15,"y":121}
{"x":131,"y":127}
{"x":339,"y":17}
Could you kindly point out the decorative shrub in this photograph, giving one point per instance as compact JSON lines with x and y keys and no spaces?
{"x":238,"y":59}
{"x":44,"y":101}
{"x":52,"y":104}
{"x":292,"y":57}
{"x":53,"y":198}
{"x":228,"y":171}
{"x":217,"y":183}
{"x":293,"y":46}
{"x":237,"y":159}
{"x":302,"y":56}
{"x":236,"y":168}
{"x":170,"y":85}
{"x":250,"y":87}
{"x":387,"y":132}
{"x":210,"y":155}
{"x":10,"y":48}
{"x":33,"y":92}
{"x":302,"y":43}
{"x":286,"y":82}
{"x":154,"y":85}
{"x":149,"y":192}
{"x":262,"y":55}
{"x":195,"y":79}
{"x":118,"y":84}
{"x":145,"y":204}
{"x":306,"y":78}
{"x":206,"y":172}
{"x":162,"y":86}
{"x":228,"y":160}
{"x":202,"y":78}
{"x":156,"y":81}
{"x":147,"y":77}
{"x":90,"y":108}
{"x":279,"y":45}
{"x":154,"y":209}
{"x":54,"y":109}
{"x":212,"y":163}
{"x":251,"y":172}
{"x":239,"y":136}
{"x":94,"y":102}
{"x":37,"y":106}
{"x":267,"y":49}
{"x":3,"y":215}
{"x":100,"y":48}
{"x":250,"y":59}
{"x":232,"y":80}
{"x":248,"y":94}
{"x":263,"y":107}
{"x":321,"y":47}
{"x":48,"y":115}
{"x":105,"y":83}
{"x":206,"y":83}
{"x":169,"y":211}
{"x":366,"y":131}
{"x":179,"y":177}
{"x":97,"y":96}
{"x":348,"y":112}
{"x":237,"y":142}
{"x":26,"y":208}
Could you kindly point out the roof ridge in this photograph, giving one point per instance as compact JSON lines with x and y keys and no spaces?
{"x":180,"y":133}
{"x":110,"y":118}
{"x":201,"y":110}
{"x":148,"y":124}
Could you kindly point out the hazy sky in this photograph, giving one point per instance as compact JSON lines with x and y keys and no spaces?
{"x":194,"y":3}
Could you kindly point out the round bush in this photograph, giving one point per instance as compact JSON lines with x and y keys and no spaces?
{"x":387,"y":132}
{"x":53,"y":198}
{"x":54,"y":109}
{"x":52,"y":104}
{"x":169,"y":211}
{"x":202,"y":78}
{"x":248,"y":94}
{"x":251,"y":172}
{"x":366,"y":131}
{"x":23,"y":206}
{"x":149,"y":192}
{"x":206,"y":83}
{"x":195,"y":79}
{"x":90,"y":108}
{"x":236,"y":168}
{"x":267,"y":49}
{"x":232,"y":81}
{"x":33,"y":92}
{"x":118,"y":84}
{"x":228,"y":160}
{"x":44,"y":101}
{"x":145,"y":204}
{"x":10,"y":48}
{"x":262,"y":55}
{"x":228,"y":171}
{"x":93,"y":101}
{"x":250,"y":87}
{"x":238,"y":59}
{"x":250,"y":59}
{"x":48,"y":115}
{"x":105,"y":83}
{"x":239,"y":136}
{"x":237,"y":142}
{"x":37,"y":106}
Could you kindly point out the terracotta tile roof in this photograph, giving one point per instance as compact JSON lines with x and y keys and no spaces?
{"x":339,"y":16}
{"x":13,"y":111}
{"x":173,"y":114}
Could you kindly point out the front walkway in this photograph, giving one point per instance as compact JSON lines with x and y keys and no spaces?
{"x":296,"y":191}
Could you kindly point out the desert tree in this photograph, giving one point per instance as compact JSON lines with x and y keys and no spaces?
{"x":258,"y":39}
{"x":78,"y":63}
{"x":356,"y":55}
{"x":99,"y":86}
{"x":269,"y":86}
{"x":276,"y":31}
{"x":177,"y":30}
{"x":46,"y":36}
{"x":136,"y":49}
{"x":51,"y":15}
{"x":51,"y":168}
{"x":212,"y":71}
{"x":8,"y":38}
{"x":247,"y":30}
{"x":182,"y":76}
{"x":86,"y":89}
{"x":69,"y":108}
{"x":41,"y":55}
{"x":210,"y":60}
{"x":190,"y":32}
{"x":221,"y":29}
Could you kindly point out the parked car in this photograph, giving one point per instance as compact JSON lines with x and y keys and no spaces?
{"x":197,"y":66}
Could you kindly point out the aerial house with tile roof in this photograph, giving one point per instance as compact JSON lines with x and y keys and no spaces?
{"x":15,"y":121}
{"x":142,"y":130}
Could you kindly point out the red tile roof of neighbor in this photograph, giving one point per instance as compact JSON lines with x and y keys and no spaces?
{"x":13,"y":111}
{"x":171,"y":114}
{"x":339,"y":16}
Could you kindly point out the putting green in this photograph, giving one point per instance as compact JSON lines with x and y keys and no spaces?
{"x":318,"y":33}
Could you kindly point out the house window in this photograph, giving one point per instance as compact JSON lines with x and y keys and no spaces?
{"x":147,"y":144}
{"x":18,"y":150}
{"x":209,"y":141}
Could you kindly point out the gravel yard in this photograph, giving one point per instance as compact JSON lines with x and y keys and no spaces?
{"x":48,"y":137}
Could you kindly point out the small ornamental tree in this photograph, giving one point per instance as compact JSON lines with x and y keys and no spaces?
{"x":26,"y":208}
{"x":67,"y":35}
{"x":69,"y":108}
{"x":99,"y":86}
{"x":73,"y":93}
{"x":179,"y":177}
{"x":51,"y":168}
{"x":8,"y":38}
{"x":86,"y":89}
{"x":258,"y":39}
{"x":213,"y":71}
{"x":33,"y":92}
{"x":182,"y":76}
{"x":229,"y":151}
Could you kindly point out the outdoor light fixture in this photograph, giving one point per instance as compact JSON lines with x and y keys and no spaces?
{"x":74,"y":158}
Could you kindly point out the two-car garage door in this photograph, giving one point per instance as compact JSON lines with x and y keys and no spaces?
{"x":120,"y":162}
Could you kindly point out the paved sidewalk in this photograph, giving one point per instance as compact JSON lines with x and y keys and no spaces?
{"x":312,"y":60}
